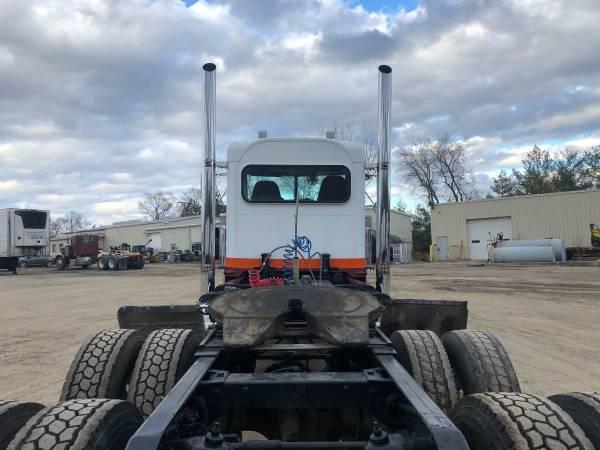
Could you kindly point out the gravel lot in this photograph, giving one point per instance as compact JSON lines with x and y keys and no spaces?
{"x":548,"y":317}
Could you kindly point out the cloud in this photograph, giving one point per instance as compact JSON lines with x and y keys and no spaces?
{"x":100,"y":100}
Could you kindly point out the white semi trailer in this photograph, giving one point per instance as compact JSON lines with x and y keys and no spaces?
{"x":23,"y":232}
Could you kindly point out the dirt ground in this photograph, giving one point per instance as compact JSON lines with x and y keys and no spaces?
{"x":548,"y":317}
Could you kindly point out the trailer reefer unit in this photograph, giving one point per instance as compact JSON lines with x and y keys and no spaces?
{"x":23,"y":232}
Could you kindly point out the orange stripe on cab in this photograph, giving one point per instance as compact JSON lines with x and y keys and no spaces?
{"x":337,"y":263}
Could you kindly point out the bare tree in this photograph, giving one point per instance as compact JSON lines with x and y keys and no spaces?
{"x":452,"y":168}
{"x":157,"y":205}
{"x":418,"y":162}
{"x":221,"y":194}
{"x":361,"y":133}
{"x":364,"y":134}
{"x":69,"y":223}
{"x":437,"y":167}
{"x":190,"y":202}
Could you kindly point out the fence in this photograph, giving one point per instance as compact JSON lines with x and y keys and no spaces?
{"x":402,"y":253}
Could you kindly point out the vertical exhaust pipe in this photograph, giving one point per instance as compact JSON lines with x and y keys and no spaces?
{"x":383,"y":180}
{"x":207,"y":254}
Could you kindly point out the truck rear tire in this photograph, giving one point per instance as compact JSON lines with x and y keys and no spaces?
{"x":13,"y":415}
{"x":422,"y":354}
{"x":584,"y":409}
{"x":516,"y":421}
{"x":60,"y":264}
{"x":480,"y":362}
{"x":84,"y":424}
{"x":165,"y":356}
{"x":103,"y":365}
{"x":113,"y":263}
{"x":103,"y":263}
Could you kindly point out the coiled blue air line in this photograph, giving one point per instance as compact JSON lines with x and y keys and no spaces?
{"x":300,"y":244}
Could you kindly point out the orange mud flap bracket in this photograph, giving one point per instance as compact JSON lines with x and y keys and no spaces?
{"x":163,"y":316}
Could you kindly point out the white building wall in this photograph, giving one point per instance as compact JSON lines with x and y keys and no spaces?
{"x":564,"y":215}
{"x":400,"y":223}
{"x":180,"y":236}
{"x":130,"y":234}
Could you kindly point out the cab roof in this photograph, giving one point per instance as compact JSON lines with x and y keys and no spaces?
{"x":355,"y":151}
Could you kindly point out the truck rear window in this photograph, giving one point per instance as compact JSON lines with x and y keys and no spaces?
{"x":33,"y":219}
{"x":283,"y":184}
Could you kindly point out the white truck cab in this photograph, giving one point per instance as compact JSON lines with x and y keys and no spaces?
{"x":269,"y":178}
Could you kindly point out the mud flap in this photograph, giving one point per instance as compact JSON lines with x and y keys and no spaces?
{"x":9,"y":263}
{"x":164,"y":316}
{"x":438,"y":316}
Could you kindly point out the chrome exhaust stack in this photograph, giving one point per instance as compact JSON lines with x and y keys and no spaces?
{"x":383,"y":180}
{"x":207,"y":253}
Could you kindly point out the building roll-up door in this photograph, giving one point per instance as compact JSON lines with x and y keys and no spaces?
{"x":155,"y":244}
{"x":481,"y":231}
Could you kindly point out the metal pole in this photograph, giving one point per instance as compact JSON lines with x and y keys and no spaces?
{"x":383,"y":180}
{"x":207,"y":251}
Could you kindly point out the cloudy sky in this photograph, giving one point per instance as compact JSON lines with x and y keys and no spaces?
{"x":100,"y":100}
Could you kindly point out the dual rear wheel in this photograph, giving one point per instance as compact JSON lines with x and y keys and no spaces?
{"x":460,"y":363}
{"x":116,"y":379}
{"x":108,"y":262}
{"x":470,"y":377}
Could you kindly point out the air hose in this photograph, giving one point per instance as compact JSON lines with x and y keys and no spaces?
{"x":299,"y":244}
{"x":256,"y":281}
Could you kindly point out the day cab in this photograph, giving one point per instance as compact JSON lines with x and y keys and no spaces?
{"x":280,"y":188}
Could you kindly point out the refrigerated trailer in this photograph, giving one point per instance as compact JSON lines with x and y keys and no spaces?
{"x":23,"y":232}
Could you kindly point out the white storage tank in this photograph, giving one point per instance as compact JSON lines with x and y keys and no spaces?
{"x":558,"y":246}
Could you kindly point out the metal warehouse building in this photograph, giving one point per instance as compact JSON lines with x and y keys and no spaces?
{"x":400,"y":223}
{"x":180,"y":231}
{"x":463,"y":230}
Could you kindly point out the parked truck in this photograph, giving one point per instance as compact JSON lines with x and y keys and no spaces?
{"x":301,"y":348}
{"x":23,"y":232}
{"x":81,"y":251}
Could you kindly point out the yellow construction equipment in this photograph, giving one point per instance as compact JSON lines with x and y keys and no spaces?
{"x":595,"y":231}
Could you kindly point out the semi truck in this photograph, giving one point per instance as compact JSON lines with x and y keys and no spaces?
{"x":81,"y":251}
{"x":301,"y":350}
{"x":23,"y":232}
